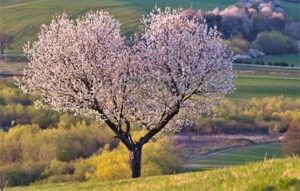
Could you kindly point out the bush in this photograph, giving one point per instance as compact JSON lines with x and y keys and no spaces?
{"x":291,"y":145}
{"x":110,"y":165}
{"x":82,"y":167}
{"x":238,"y":45}
{"x":31,"y":143}
{"x":259,"y":63}
{"x":243,"y":118}
{"x":158,"y":158}
{"x":23,"y":148}
{"x":265,"y":115}
{"x":22,"y":174}
{"x":281,"y":64}
{"x":59,"y":171}
{"x":273,"y":43}
{"x":17,"y":108}
{"x":58,"y":168}
{"x":160,"y":154}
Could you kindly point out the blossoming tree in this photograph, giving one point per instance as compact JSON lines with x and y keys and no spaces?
{"x":86,"y":66}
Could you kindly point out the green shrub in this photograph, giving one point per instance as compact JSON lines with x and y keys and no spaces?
{"x":265,"y":115}
{"x":273,"y":43}
{"x":59,"y":171}
{"x":17,"y":108}
{"x":22,"y":174}
{"x":82,"y":167}
{"x":259,"y":63}
{"x":110,"y":165}
{"x":58,"y":168}
{"x":243,"y":118}
{"x":238,"y":45}
{"x":31,"y":143}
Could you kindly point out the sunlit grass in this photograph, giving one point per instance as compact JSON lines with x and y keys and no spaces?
{"x":253,"y":153}
{"x":248,"y":86}
{"x":279,"y":174}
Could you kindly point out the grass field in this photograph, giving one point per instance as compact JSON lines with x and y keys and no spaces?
{"x":279,"y":174}
{"x":22,"y":18}
{"x":248,"y":86}
{"x":239,"y":156}
{"x":288,"y":58}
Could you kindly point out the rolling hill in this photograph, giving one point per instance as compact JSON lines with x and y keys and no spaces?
{"x":279,"y":174}
{"x":22,"y":18}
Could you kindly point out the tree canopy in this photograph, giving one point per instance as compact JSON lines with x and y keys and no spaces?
{"x":86,"y":66}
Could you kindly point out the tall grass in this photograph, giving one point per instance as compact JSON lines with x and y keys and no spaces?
{"x":280,"y":174}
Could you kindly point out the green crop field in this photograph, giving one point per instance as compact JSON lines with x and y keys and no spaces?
{"x":239,"y":156}
{"x":22,"y":18}
{"x":248,"y":86}
{"x":279,"y":174}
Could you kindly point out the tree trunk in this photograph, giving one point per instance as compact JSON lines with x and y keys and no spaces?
{"x":135,"y":161}
{"x":1,"y":183}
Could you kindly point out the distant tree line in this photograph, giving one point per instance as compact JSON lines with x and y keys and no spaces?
{"x":255,"y":24}
{"x":17,"y":108}
{"x":264,"y":63}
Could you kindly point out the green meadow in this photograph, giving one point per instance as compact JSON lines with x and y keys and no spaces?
{"x":237,"y":156}
{"x":248,"y":86}
{"x":22,"y":19}
{"x":276,"y":174}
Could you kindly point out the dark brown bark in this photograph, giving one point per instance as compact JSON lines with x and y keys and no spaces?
{"x":136,"y":151}
{"x":135,"y":148}
{"x":161,"y":124}
{"x":2,"y":183}
{"x":136,"y":161}
{"x":114,"y":127}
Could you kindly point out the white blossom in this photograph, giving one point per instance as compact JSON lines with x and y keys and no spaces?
{"x":85,"y":66}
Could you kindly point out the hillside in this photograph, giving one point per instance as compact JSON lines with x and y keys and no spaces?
{"x":277,"y":174}
{"x":22,"y":18}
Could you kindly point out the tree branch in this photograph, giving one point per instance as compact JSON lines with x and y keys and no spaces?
{"x":118,"y":131}
{"x":161,"y":124}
